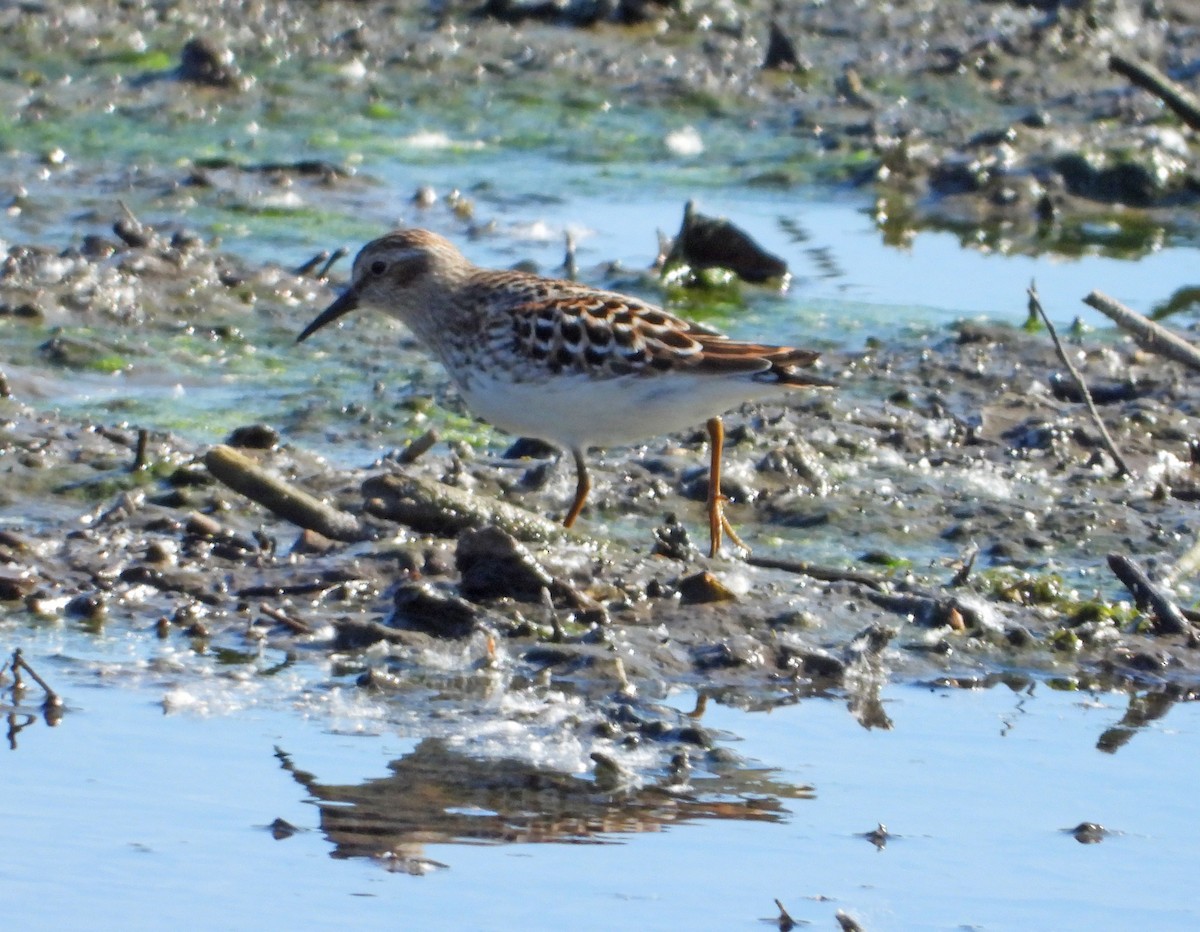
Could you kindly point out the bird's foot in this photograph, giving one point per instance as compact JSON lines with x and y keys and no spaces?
{"x":718,"y":524}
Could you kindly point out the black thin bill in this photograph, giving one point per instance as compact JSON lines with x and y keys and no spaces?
{"x":343,"y":305}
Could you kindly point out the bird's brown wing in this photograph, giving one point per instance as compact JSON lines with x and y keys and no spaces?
{"x":606,"y":334}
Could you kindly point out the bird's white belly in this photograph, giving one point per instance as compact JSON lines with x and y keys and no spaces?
{"x":575,"y":411}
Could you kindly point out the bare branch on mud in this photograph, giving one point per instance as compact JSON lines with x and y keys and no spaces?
{"x":930,"y":610}
{"x":1150,"y":336}
{"x":436,"y":508}
{"x":1168,"y":617}
{"x":245,"y":476}
{"x":356,"y":634}
{"x":823,"y":573}
{"x":296,"y":625}
{"x":1149,"y":78}
{"x":418,"y":447}
{"x":1035,"y":306}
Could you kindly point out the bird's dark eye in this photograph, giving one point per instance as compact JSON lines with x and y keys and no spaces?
{"x":378,"y":267}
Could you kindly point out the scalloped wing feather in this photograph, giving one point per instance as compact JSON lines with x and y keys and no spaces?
{"x":610,"y":336}
{"x":603,"y":334}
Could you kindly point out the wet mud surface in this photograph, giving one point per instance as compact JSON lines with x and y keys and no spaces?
{"x":946,"y":511}
{"x":946,"y":515}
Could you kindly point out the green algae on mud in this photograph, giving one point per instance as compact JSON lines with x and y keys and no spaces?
{"x":496,"y":89}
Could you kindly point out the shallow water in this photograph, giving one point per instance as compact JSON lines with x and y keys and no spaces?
{"x":164,"y":818}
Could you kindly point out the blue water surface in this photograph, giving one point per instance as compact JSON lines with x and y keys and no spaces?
{"x":123,"y":817}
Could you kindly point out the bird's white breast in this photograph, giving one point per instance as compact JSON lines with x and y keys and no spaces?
{"x":576,"y":411}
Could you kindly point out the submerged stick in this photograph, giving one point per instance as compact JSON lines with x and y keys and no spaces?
{"x":1185,"y":105}
{"x":245,"y":476}
{"x":19,"y":663}
{"x":334,"y":256}
{"x":1150,"y":336}
{"x":1035,"y":306}
{"x":295,"y":624}
{"x":785,"y":920}
{"x":823,"y":573}
{"x":1168,"y":618}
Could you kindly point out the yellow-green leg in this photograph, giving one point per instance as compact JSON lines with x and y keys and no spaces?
{"x":717,"y":522}
{"x":583,"y":485}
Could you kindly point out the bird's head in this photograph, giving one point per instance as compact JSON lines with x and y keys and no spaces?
{"x":398,"y":274}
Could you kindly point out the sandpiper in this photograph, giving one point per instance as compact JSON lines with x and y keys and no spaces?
{"x":561,"y":362}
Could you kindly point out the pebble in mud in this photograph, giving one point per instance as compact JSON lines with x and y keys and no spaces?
{"x":494,"y":565}
{"x":704,"y":587}
{"x":254,"y":437}
{"x":671,"y":540}
{"x":425,"y":607}
{"x":204,"y":62}
{"x":743,"y":651}
{"x":14,"y":586}
{"x":90,"y":607}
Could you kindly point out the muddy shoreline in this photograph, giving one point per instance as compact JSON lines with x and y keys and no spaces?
{"x":953,"y":490}
{"x":965,"y":447}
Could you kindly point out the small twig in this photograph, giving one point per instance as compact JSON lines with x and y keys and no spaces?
{"x":19,"y":663}
{"x":1150,"y":336}
{"x":1149,"y":78}
{"x":823,"y":573}
{"x":1035,"y":304}
{"x":928,"y":610}
{"x":847,"y":923}
{"x":558,"y":633}
{"x":298,"y":626}
{"x":334,"y":256}
{"x":131,"y":230}
{"x":786,"y":922}
{"x":436,"y":508}
{"x":355,"y":634}
{"x":626,"y":688}
{"x":964,"y":570}
{"x":285,"y":500}
{"x":1168,"y":617}
{"x":570,"y":268}
{"x":139,"y":456}
{"x":306,"y":268}
{"x":325,"y":259}
{"x":418,"y":447}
